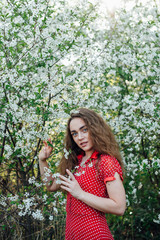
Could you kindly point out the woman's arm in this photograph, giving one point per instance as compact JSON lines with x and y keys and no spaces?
{"x":46,"y":174}
{"x":115,"y":204}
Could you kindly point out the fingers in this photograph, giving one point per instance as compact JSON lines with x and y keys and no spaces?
{"x":49,"y":139}
{"x":65,"y":188}
{"x":66,"y":180}
{"x":65,"y":183}
{"x":46,"y":143}
{"x":70,"y":174}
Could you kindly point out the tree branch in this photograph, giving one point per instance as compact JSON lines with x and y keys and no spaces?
{"x":4,"y":139}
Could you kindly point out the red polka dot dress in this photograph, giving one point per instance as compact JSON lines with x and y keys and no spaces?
{"x":84,"y":222}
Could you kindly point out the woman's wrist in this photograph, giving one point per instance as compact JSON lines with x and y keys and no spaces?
{"x":82,"y":196}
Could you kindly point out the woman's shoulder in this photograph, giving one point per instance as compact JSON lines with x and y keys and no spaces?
{"x":106,"y":159}
{"x":109,"y":165}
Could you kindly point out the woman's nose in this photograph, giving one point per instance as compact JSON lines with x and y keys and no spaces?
{"x":80,"y":135}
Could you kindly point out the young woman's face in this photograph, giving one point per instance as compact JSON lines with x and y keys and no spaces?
{"x":80,"y":134}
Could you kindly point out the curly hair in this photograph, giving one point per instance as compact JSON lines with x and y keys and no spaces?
{"x":101,"y":134}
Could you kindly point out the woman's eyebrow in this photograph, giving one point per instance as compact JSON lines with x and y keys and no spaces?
{"x":79,"y":129}
{"x":82,"y":127}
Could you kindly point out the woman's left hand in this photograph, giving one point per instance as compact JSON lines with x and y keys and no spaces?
{"x":71,"y":185}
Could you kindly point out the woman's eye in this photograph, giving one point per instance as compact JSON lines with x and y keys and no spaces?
{"x":74,"y":134}
{"x":85,"y":130}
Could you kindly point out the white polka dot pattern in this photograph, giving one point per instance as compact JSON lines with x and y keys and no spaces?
{"x":84,"y":222}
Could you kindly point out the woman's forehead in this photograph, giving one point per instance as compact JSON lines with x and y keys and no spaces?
{"x":76,"y":124}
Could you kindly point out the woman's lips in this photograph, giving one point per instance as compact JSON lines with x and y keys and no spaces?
{"x":83,"y":144}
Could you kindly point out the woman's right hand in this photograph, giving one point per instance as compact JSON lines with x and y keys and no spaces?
{"x":46,"y":151}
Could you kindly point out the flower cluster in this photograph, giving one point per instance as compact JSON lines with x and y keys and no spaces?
{"x":80,"y":169}
{"x":66,"y":153}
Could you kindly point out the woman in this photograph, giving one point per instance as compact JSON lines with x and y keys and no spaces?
{"x":94,"y":183}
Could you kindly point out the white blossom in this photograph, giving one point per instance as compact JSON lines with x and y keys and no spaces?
{"x":50,"y":218}
{"x":90,"y":165}
{"x":157,"y":221}
{"x":38,"y":215}
{"x":55,"y":210}
{"x":31,"y":180}
{"x":66,"y":153}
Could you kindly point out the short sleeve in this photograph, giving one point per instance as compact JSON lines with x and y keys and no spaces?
{"x":108,"y":166}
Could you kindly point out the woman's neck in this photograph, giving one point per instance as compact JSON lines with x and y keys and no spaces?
{"x":87,"y":155}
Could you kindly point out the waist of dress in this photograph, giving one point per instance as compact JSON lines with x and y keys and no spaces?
{"x":80,"y":208}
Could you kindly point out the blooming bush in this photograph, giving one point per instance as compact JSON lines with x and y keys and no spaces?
{"x":57,"y":56}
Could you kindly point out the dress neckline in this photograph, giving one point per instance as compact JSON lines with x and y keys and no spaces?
{"x":93,"y":156}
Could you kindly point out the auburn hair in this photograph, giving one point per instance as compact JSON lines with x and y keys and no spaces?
{"x":101,"y":134}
